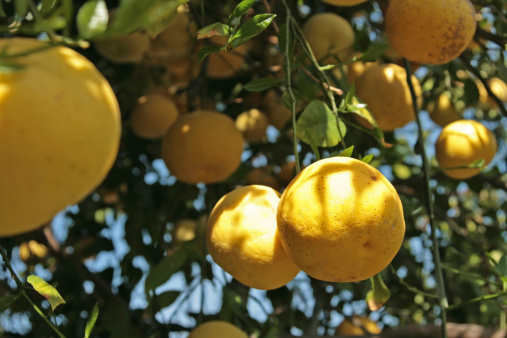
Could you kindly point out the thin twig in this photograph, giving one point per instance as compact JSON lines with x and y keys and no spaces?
{"x":478,"y":75}
{"x":442,"y":298}
{"x":289,"y":86}
{"x":22,"y":290}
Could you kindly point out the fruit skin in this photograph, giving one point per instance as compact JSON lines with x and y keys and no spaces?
{"x":497,"y":86}
{"x":329,"y":34}
{"x":278,"y":114}
{"x":432,"y":31}
{"x":252,"y":124}
{"x":242,"y":238}
{"x":357,"y":326}
{"x":123,"y":49}
{"x":203,"y":146}
{"x":356,"y":69}
{"x":384,"y":88}
{"x":225,"y":64}
{"x":443,"y":112}
{"x":462,"y":143}
{"x":176,"y":42}
{"x":217,"y":329}
{"x":344,"y":2}
{"x":59,"y":133}
{"x":153,"y":115}
{"x":262,"y":176}
{"x":341,"y":220}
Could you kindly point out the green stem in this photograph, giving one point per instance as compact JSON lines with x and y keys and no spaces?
{"x":322,"y":75}
{"x":22,"y":290}
{"x":412,"y":288}
{"x":315,"y":150}
{"x":36,"y":15}
{"x":478,"y":299}
{"x":289,"y":86}
{"x":442,"y":298}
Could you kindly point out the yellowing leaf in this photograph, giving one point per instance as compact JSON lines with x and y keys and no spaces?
{"x":46,"y":290}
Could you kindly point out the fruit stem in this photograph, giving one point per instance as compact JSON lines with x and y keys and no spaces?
{"x":298,"y":34}
{"x":22,"y":290}
{"x":442,"y":298}
{"x":36,"y":15}
{"x":289,"y":87}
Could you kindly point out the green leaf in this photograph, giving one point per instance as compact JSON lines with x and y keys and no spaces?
{"x":91,"y":320}
{"x":346,"y":152}
{"x":206,"y":50}
{"x":287,"y":100}
{"x":133,"y":14}
{"x":478,"y":163}
{"x":161,"y":17}
{"x":216,"y":28}
{"x":241,"y":9}
{"x":367,"y":159}
{"x":501,"y":267}
{"x":251,"y":28}
{"x":379,"y":293}
{"x":7,"y":301}
{"x":317,"y":125}
{"x":21,"y":8}
{"x":470,"y":93}
{"x":47,"y":5}
{"x":374,"y":52}
{"x":92,"y":19}
{"x":161,"y":273}
{"x":261,"y":84}
{"x":46,"y":290}
{"x":167,"y":298}
{"x":2,"y":11}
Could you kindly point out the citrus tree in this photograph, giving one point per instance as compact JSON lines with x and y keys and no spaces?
{"x":260,"y":168}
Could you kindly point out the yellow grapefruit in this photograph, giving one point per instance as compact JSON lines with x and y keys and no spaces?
{"x":430,"y":31}
{"x":242,"y":238}
{"x":341,"y":220}
{"x":217,"y":329}
{"x":384,"y":88}
{"x":153,"y":114}
{"x":460,"y":144}
{"x":203,"y":146}
{"x":59,"y":133}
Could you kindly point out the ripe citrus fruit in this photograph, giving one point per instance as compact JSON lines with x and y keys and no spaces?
{"x":432,"y":31}
{"x":497,"y":86}
{"x":59,"y":133}
{"x":384,"y":88}
{"x":347,"y":328}
{"x":287,"y":171}
{"x":124,"y":48}
{"x":279,"y":115}
{"x":153,"y":114}
{"x":203,"y":146}
{"x":32,"y":251}
{"x":176,"y":42}
{"x":252,"y":124}
{"x":217,"y":329}
{"x":461,"y":143}
{"x":357,"y":326}
{"x":225,"y":64}
{"x":341,"y":220}
{"x":443,"y":112}
{"x":262,"y":176}
{"x":344,"y":2}
{"x":356,"y":69}
{"x":242,"y":238}
{"x":329,"y":34}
